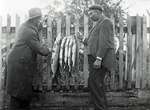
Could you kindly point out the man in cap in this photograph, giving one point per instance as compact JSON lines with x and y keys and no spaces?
{"x":21,"y":61}
{"x":101,"y":55}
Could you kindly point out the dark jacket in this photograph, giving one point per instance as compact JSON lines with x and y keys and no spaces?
{"x":101,"y":43}
{"x":21,"y":61}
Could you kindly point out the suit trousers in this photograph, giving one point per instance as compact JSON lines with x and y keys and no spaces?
{"x":96,"y":85}
{"x":18,"y":104}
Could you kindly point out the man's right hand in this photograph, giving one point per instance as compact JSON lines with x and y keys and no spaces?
{"x":82,"y":39}
{"x":85,"y":41}
{"x":80,"y":36}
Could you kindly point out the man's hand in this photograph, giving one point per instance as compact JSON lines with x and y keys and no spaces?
{"x":50,"y":49}
{"x":85,"y":41}
{"x":82,"y":39}
{"x":97,"y":64}
{"x":80,"y":36}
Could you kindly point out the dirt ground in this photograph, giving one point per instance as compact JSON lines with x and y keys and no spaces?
{"x":50,"y":102}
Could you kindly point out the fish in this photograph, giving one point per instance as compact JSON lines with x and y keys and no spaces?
{"x":74,"y":47}
{"x":70,"y":53}
{"x":66,"y":50}
{"x":55,"y":54}
{"x":116,"y":40}
{"x":61,"y":54}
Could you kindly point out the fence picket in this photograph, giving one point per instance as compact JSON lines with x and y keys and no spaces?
{"x":138,"y":51}
{"x":50,"y":40}
{"x":67,"y":25}
{"x":121,"y":64}
{"x":76,"y":24}
{"x":148,"y":59}
{"x":144,"y":51}
{"x":85,"y":65}
{"x":17,"y":22}
{"x":148,"y":66}
{"x":8,"y":31}
{"x":1,"y":53}
{"x":49,"y":33}
{"x":129,"y":52}
{"x":58,"y":26}
{"x":76,"y":31}
{"x":113,"y":87}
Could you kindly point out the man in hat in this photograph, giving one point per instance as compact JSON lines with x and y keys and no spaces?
{"x":101,"y":55}
{"x":21,"y":61}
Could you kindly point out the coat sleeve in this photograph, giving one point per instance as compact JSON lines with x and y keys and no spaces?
{"x":34,"y":43}
{"x":105,"y":39}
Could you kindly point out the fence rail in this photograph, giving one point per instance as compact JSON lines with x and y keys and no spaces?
{"x":133,"y":63}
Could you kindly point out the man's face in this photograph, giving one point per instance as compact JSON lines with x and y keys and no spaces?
{"x":39,"y":19}
{"x":39,"y":23}
{"x":95,"y":15}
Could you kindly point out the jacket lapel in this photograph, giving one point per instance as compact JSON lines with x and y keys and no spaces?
{"x":98,"y":23}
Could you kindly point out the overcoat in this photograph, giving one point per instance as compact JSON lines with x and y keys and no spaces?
{"x":101,"y":43}
{"x":21,"y":61}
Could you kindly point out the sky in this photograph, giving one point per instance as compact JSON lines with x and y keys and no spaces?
{"x":137,"y":6}
{"x":21,"y":7}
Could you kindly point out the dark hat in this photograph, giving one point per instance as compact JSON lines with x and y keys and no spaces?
{"x":96,"y":7}
{"x":35,"y":12}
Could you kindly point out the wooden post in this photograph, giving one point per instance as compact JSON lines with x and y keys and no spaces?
{"x":1,"y":54}
{"x":129,"y":52}
{"x":144,"y":51}
{"x":121,"y":64}
{"x":67,"y":25}
{"x":138,"y":53}
{"x":85,"y":65}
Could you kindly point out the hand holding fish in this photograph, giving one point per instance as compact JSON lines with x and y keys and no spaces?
{"x":97,"y":64}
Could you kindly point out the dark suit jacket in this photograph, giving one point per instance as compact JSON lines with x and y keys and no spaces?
{"x":21,"y":61}
{"x":101,"y":43}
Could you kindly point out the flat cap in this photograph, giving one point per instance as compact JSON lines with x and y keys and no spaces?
{"x":34,"y":12}
{"x":96,"y":7}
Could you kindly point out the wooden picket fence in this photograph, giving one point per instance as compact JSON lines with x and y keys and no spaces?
{"x":133,"y":63}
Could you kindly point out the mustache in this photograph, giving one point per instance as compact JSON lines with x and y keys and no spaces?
{"x":94,"y":18}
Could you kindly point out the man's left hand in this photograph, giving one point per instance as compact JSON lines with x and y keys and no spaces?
{"x":97,"y":64}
